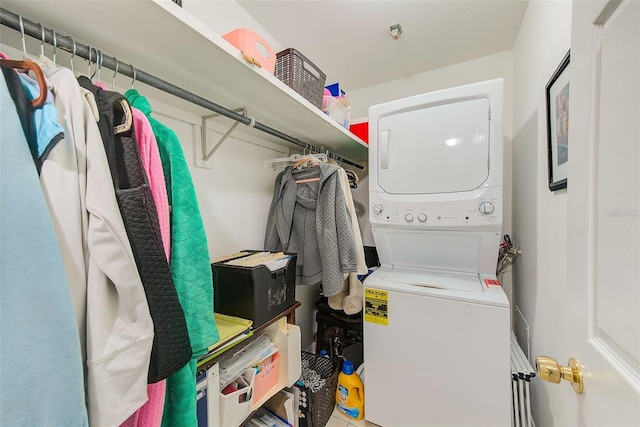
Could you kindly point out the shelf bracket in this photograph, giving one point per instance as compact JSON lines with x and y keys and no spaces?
{"x":217,"y":145}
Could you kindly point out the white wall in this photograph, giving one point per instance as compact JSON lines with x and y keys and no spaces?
{"x":225,"y":16}
{"x":539,"y":215}
{"x":480,"y":69}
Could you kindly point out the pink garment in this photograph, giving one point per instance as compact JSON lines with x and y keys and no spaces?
{"x":4,"y":56}
{"x":150,"y":414}
{"x":152,"y":164}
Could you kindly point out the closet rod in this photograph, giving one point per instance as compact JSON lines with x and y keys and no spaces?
{"x":35,"y":30}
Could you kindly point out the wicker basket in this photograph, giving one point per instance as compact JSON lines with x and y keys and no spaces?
{"x":319,"y":407}
{"x":301,"y":75}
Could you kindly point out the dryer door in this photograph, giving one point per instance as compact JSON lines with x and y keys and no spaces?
{"x":435,"y":148}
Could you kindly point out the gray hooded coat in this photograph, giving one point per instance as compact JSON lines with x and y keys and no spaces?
{"x":311,"y":219}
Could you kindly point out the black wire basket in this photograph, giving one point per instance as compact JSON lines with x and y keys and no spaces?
{"x":318,"y":400}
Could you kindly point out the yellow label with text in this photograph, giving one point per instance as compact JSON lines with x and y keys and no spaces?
{"x":376,"y":306}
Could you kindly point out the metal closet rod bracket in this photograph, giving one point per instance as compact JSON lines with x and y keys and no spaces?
{"x":207,"y":156}
{"x":32,"y":29}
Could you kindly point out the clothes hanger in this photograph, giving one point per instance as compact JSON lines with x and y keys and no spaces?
{"x":99,"y":59}
{"x":353,"y":178}
{"x":55,"y":46}
{"x":89,"y":64}
{"x":24,"y":42}
{"x":73,"y":55}
{"x":306,"y":161}
{"x":42,"y":40}
{"x":125,"y":126}
{"x":134,"y":76}
{"x":31,"y":66}
{"x":115,"y":73}
{"x":272,"y":163}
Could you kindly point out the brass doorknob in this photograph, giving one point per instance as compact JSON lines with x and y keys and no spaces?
{"x":549,"y":370}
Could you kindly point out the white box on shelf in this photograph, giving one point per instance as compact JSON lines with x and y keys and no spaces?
{"x":236,"y":406}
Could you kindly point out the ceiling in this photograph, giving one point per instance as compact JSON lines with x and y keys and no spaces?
{"x":350,"y":40}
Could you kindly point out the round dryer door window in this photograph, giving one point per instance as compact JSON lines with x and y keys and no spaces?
{"x":435,"y":148}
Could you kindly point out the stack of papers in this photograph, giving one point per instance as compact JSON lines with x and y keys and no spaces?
{"x":232,"y":363}
{"x":229,"y":327}
{"x":284,"y":405}
{"x":273,"y":261}
{"x":228,"y":257}
{"x":264,"y":418}
{"x":232,"y":331}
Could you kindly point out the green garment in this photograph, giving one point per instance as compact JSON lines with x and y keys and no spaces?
{"x":190,"y":268}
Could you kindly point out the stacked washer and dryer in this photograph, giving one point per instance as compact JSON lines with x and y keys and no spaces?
{"x":436,"y":320}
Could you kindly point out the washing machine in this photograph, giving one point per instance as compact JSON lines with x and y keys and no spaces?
{"x":436,"y":319}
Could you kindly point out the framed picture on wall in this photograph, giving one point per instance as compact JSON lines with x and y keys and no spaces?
{"x":557,"y":94}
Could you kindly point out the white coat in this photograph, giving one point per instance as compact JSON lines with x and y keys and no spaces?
{"x":111,"y":307}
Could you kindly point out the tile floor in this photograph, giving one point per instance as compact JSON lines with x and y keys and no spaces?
{"x":340,"y":420}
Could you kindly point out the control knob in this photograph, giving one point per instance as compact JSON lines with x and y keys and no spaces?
{"x":377,"y":209}
{"x":422,"y":217}
{"x":408,"y":217}
{"x":486,"y":208}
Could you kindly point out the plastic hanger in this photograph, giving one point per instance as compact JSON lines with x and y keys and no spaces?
{"x":272,"y":163}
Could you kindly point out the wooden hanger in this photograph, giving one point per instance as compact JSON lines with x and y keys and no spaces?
{"x":302,"y":161}
{"x":42,"y":82}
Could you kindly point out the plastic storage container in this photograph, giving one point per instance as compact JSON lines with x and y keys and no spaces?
{"x":253,"y":45}
{"x":254,"y":293}
{"x":301,"y":75}
{"x":335,"y":90}
{"x":350,"y":392}
{"x":236,"y":406}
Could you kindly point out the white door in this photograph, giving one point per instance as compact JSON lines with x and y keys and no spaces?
{"x":603,"y":196}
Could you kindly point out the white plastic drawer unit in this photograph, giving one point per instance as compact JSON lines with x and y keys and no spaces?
{"x":434,"y":148}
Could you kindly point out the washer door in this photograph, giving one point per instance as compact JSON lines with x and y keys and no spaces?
{"x":434,"y":148}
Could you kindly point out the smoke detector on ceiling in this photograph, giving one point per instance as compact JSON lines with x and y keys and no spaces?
{"x":396,"y":31}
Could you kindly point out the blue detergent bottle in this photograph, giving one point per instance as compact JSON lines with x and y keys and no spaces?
{"x":350,"y":392}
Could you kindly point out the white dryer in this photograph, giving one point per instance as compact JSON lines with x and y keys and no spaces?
{"x":436,"y":320}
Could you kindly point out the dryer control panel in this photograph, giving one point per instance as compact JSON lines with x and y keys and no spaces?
{"x":481,"y":212}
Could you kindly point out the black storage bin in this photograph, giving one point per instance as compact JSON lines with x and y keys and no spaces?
{"x":254,"y":293}
{"x":317,"y":403}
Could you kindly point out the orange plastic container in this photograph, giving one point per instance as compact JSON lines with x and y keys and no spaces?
{"x":254,"y":46}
